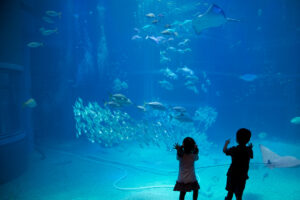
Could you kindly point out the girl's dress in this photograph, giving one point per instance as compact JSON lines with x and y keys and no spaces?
{"x":187,"y":181}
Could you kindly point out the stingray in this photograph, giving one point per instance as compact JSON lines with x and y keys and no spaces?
{"x":213,"y":17}
{"x":273,"y":160}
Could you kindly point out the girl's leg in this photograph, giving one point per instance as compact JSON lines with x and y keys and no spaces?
{"x":182,"y":195}
{"x":229,"y":196}
{"x":195,"y":194}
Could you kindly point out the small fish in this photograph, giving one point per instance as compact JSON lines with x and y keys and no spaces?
{"x":160,"y":15}
{"x":185,"y":71}
{"x":112,"y":104}
{"x":150,"y":15}
{"x":120,"y":99}
{"x":164,"y":60}
{"x":136,"y":37}
{"x":187,"y":50}
{"x":295,"y":120}
{"x":193,"y":88}
{"x":53,"y":13}
{"x":169,"y":73}
{"x":184,"y":42}
{"x":137,"y":30}
{"x":182,"y":118}
{"x":166,"y":85}
{"x":179,"y":109}
{"x":146,"y":27}
{"x":171,"y":48}
{"x":180,"y":51}
{"x":156,"y":105}
{"x":248,"y":77}
{"x":192,"y":78}
{"x":168,"y":31}
{"x":154,"y":21}
{"x":48,"y":32}
{"x":157,"y":40}
{"x":35,"y":44}
{"x":48,"y":20}
{"x":168,"y":26}
{"x":142,"y":108}
{"x":30,"y":103}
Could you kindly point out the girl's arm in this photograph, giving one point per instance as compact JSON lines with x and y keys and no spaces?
{"x":196,"y":150}
{"x":179,"y":149}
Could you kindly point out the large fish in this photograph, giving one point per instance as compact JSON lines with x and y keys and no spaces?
{"x":213,"y":17}
{"x":273,"y":160}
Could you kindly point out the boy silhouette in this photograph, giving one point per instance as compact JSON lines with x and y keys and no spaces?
{"x":238,"y":171}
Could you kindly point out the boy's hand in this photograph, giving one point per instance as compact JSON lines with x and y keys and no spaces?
{"x":227,"y":141}
{"x":250,"y":145}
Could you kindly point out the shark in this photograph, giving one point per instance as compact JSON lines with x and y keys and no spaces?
{"x":213,"y":17}
{"x":273,"y":160}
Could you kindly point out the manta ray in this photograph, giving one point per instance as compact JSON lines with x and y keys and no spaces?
{"x":273,"y":160}
{"x":213,"y":17}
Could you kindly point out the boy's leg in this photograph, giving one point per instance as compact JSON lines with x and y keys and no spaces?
{"x":195,"y":194}
{"x":240,"y":189}
{"x":182,"y":195}
{"x":229,"y":195}
{"x":238,"y":197}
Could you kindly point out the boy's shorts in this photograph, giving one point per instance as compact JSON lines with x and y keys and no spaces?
{"x":235,"y":185}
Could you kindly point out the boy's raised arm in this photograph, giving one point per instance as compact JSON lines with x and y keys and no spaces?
{"x":226,"y":145}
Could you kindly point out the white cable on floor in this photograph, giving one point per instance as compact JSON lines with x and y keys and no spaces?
{"x":117,"y":165}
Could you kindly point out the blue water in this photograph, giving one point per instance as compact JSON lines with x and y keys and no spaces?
{"x":87,"y":142}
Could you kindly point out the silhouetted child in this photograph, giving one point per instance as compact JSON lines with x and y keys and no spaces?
{"x":238,"y":171}
{"x":187,"y":154}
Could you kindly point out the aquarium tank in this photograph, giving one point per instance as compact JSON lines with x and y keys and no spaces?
{"x":97,"y":96}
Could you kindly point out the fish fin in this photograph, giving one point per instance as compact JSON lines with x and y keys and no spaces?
{"x":59,"y":15}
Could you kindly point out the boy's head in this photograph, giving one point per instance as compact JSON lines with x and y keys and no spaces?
{"x":189,"y":145}
{"x":243,"y":136}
